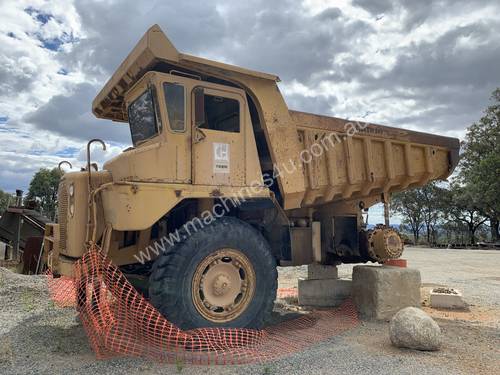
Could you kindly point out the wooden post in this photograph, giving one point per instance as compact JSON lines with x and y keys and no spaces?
{"x":17,"y":238}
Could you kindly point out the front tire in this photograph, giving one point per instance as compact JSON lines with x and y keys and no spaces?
{"x":223,"y":275}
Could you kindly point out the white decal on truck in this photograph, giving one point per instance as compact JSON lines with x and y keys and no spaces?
{"x":221,"y":157}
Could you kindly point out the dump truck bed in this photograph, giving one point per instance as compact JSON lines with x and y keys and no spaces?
{"x":358,"y":159}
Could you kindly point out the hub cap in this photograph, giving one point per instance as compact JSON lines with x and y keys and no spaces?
{"x":223,"y":285}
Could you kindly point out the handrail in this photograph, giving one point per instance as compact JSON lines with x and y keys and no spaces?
{"x":64,"y":162}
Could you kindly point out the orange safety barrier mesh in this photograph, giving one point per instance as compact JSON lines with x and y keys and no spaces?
{"x":287,"y":293}
{"x":121,"y":322}
{"x":62,"y":290}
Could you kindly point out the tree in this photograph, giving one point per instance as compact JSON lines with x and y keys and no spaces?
{"x":480,"y":164}
{"x":409,"y":205}
{"x":433,"y":202}
{"x":43,"y":190}
{"x":421,"y":208}
{"x":465,"y":208}
{"x":455,"y":231}
{"x":4,"y":200}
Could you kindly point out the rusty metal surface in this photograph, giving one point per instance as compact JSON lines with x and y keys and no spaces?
{"x":153,"y":47}
{"x":288,"y":132}
{"x":361,"y":166}
{"x":319,"y":122}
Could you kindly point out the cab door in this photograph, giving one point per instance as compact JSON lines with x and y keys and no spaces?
{"x":218,"y":138}
{"x":176,"y":157}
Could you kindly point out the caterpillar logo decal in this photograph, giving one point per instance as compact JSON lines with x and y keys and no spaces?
{"x":221,"y":157}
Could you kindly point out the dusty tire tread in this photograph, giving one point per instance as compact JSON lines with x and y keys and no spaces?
{"x":166,"y":289}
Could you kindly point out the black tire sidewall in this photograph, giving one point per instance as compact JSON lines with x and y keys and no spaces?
{"x":226,"y":233}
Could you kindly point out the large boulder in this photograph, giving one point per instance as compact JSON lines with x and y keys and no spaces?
{"x":412,"y":328}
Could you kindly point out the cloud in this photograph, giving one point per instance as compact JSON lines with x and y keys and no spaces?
{"x":375,"y":7}
{"x":18,"y":168}
{"x":192,"y":25}
{"x":318,"y":104}
{"x":428,"y":65}
{"x":441,"y":86}
{"x":413,"y":14}
{"x":286,"y":40}
{"x":473,"y":49}
{"x":70,"y":116}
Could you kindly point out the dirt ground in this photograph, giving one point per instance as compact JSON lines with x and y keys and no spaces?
{"x":38,"y":337}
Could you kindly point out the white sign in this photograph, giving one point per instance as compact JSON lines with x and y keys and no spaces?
{"x":221,"y":157}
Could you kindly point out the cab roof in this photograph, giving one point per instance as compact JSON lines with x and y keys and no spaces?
{"x":155,"y":51}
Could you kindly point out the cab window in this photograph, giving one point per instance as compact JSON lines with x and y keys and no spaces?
{"x":174,"y":98}
{"x":142,"y":118}
{"x":221,"y":114}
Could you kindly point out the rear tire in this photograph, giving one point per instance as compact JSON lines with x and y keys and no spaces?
{"x":223,"y":275}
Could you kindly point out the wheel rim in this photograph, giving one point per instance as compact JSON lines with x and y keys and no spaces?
{"x":223,"y":285}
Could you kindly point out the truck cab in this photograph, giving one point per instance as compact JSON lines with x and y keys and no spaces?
{"x":171,"y":145}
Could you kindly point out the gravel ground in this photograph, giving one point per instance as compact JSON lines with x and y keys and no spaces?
{"x":38,"y":337}
{"x":476,"y":273}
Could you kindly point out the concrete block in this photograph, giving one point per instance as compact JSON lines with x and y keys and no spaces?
{"x":451,"y":300}
{"x":379,"y":292}
{"x":319,"y":272}
{"x":323,"y":292}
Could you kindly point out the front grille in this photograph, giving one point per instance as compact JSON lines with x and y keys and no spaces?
{"x":62,"y":213}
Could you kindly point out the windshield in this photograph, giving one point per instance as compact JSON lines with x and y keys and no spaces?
{"x":142,"y":118}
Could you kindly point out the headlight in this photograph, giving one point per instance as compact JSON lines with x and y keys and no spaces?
{"x":71,"y":190}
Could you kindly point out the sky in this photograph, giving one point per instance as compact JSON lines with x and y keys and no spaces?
{"x":424,"y":65}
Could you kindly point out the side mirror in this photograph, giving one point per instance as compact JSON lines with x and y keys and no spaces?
{"x":199,"y":106}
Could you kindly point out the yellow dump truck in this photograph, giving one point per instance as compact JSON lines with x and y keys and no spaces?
{"x":224,"y":182}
